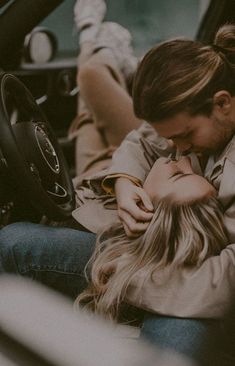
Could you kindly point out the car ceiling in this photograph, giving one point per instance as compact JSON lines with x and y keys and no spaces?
{"x":24,"y":15}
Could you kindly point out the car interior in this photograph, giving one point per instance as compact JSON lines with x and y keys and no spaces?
{"x":38,"y":101}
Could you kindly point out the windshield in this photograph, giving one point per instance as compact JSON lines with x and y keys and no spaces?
{"x":150,"y":21}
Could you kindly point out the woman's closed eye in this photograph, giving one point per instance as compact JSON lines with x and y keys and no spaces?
{"x":178,"y":175}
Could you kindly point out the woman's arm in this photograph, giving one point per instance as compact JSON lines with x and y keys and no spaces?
{"x":134,"y":206}
{"x":131,"y":164}
{"x":136,"y":155}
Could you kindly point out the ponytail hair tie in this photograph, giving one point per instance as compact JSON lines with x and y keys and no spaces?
{"x":219,"y":49}
{"x":227,"y":55}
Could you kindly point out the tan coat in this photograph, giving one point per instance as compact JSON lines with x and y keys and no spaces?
{"x":199,"y":292}
{"x":96,"y":209}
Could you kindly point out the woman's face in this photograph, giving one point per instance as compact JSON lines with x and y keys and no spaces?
{"x":175,"y":180}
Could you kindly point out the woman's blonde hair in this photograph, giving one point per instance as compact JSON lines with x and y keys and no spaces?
{"x":183,"y":75}
{"x":178,"y":235}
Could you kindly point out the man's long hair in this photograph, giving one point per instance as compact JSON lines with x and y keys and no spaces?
{"x":183,"y":75}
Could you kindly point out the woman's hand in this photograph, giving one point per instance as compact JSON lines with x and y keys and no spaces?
{"x":135,"y":208}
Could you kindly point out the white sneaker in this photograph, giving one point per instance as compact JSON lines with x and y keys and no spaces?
{"x":119,"y":40}
{"x":89,"y":12}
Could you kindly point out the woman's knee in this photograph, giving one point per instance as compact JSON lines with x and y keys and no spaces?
{"x":13,"y":236}
{"x":90,"y":74}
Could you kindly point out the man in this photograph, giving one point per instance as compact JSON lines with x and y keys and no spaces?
{"x":186,"y":91}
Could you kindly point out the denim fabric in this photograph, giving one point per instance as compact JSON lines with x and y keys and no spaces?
{"x":57,"y":256}
{"x":54,"y":256}
{"x":198,"y":339}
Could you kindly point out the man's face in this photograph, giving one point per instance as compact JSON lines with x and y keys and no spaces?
{"x":199,"y":134}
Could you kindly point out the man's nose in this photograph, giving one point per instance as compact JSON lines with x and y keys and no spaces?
{"x":183,"y":147}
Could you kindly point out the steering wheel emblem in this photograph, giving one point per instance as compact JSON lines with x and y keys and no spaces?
{"x":47,"y":150}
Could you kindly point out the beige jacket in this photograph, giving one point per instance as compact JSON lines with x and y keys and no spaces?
{"x":136,"y":155}
{"x":199,"y":292}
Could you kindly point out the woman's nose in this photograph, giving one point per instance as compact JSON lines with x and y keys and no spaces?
{"x":171,"y":143}
{"x":184,"y":164}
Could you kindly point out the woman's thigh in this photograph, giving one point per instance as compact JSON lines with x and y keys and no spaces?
{"x":54,"y":256}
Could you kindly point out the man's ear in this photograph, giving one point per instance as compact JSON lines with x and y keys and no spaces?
{"x":222,"y":101}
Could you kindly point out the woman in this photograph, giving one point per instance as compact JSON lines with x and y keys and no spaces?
{"x":186,"y":228}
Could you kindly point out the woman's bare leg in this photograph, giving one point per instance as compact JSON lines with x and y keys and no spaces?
{"x":103,"y":89}
{"x":104,"y":116}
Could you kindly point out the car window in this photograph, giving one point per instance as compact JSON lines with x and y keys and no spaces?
{"x":152,"y":21}
{"x":149,"y":21}
{"x":61,"y":23}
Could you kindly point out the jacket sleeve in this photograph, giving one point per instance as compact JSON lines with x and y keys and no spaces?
{"x":200,"y":292}
{"x":137,"y":154}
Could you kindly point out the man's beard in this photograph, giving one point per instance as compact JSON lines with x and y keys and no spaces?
{"x":225,"y":133}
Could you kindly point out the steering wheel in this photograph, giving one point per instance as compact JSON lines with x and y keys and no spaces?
{"x":31,"y":153}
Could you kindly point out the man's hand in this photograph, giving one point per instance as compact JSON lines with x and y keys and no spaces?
{"x":135,"y":208}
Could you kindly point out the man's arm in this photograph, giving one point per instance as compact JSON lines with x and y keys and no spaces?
{"x":204,"y":292}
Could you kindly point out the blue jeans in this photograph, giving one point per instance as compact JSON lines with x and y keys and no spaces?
{"x":194,"y":338}
{"x":53,"y":256}
{"x":57,"y":256}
